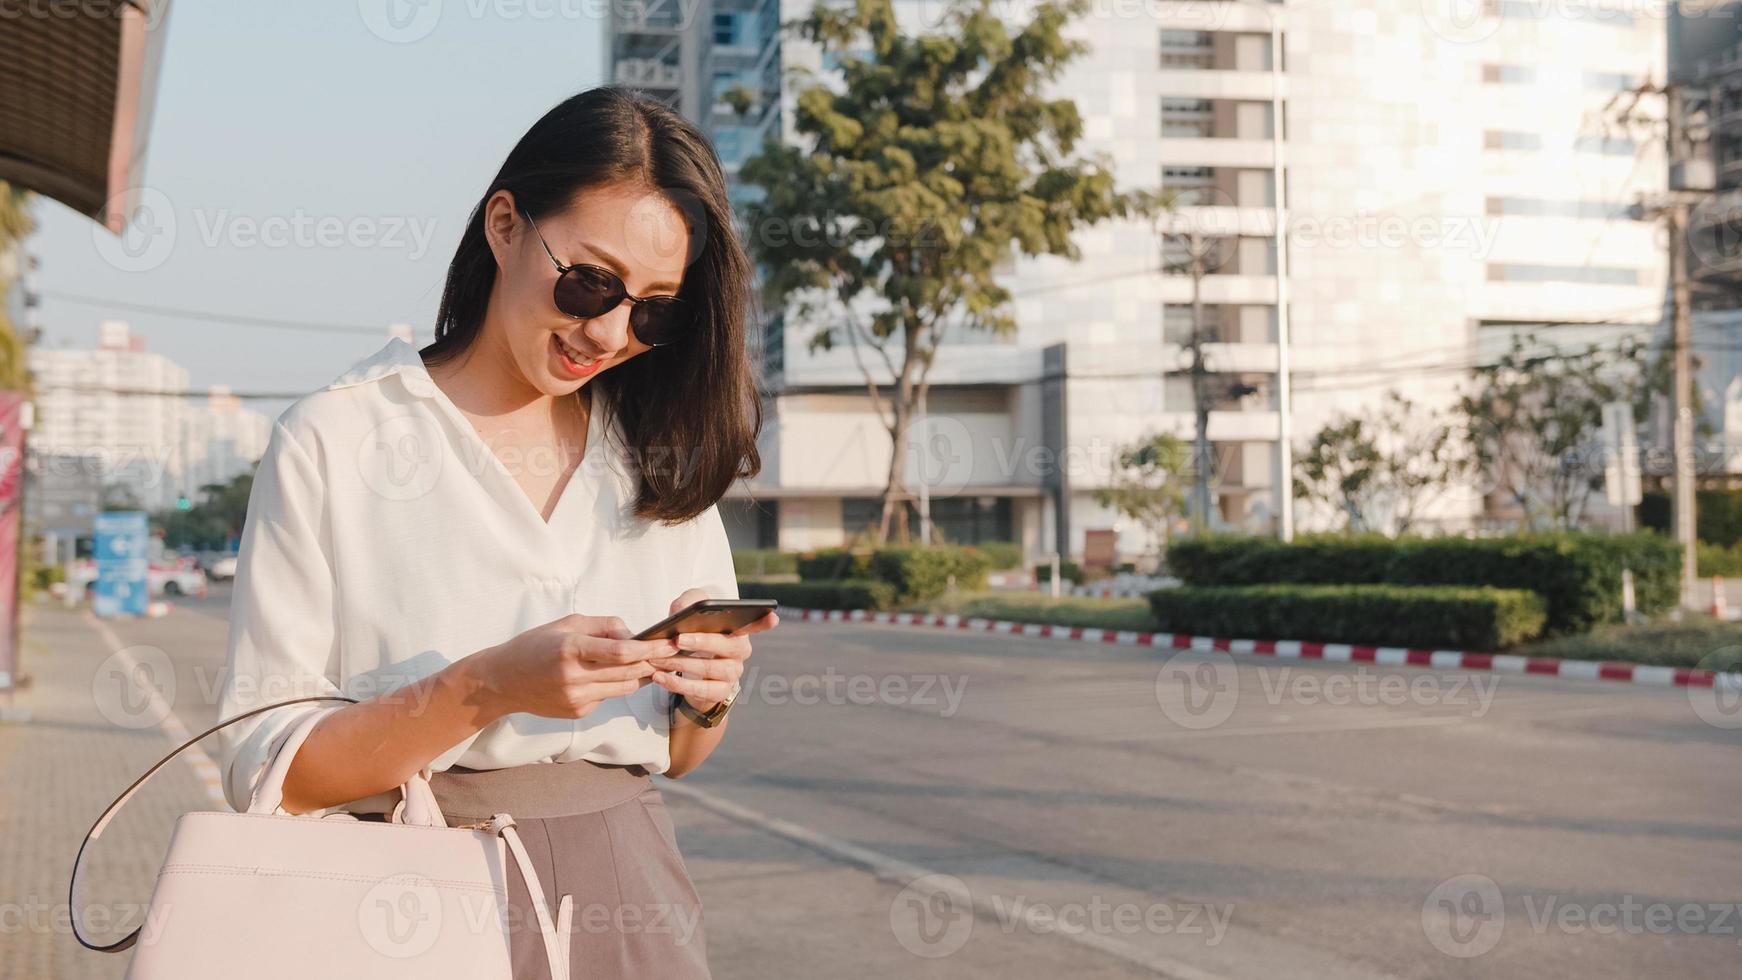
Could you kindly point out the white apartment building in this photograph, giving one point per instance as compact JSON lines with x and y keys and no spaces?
{"x":223,"y":440}
{"x":127,"y":407}
{"x":1448,"y":182}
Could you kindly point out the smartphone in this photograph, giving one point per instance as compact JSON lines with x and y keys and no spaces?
{"x":709,"y":616}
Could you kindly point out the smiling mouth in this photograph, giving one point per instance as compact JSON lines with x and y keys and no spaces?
{"x":575,"y":358}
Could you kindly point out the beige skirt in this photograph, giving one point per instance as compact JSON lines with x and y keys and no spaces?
{"x":600,"y":833}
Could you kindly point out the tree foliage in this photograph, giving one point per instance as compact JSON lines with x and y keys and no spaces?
{"x":1149,"y":484}
{"x":1533,"y":418}
{"x":1382,"y":470}
{"x":929,"y":161}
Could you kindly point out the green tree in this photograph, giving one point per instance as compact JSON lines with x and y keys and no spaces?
{"x":1382,"y":469}
{"x":213,"y":519}
{"x":1341,"y":468}
{"x":1149,"y":484}
{"x":16,"y":224}
{"x":1533,"y":418}
{"x":931,"y":161}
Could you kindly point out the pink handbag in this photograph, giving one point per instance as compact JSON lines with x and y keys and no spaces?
{"x":267,"y":894}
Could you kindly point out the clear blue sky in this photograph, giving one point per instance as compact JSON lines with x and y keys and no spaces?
{"x":268,"y":114}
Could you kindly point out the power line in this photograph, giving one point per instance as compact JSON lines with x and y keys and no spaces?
{"x":233,"y":319}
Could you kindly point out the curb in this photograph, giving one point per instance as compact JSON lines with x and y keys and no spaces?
{"x":1603,"y":670}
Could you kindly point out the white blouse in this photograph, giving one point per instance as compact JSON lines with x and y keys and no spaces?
{"x":385,"y":540}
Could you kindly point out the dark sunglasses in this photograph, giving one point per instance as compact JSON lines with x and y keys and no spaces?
{"x":585,"y":291}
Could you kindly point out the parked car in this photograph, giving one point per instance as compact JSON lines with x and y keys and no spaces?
{"x":221,"y":568}
{"x":163,"y":578}
{"x":176,"y":578}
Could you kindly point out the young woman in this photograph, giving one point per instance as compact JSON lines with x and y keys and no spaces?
{"x":465,"y":536}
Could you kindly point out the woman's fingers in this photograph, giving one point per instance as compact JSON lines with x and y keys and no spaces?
{"x":604,"y":651}
{"x":712,"y":668}
{"x":732,"y":645}
{"x":694,"y":688}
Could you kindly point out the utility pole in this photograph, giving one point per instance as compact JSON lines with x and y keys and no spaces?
{"x":1201,"y":258}
{"x":1284,"y":379}
{"x":1691,"y":180}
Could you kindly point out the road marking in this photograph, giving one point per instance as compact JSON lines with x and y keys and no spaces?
{"x":906,"y":874}
{"x":205,"y":770}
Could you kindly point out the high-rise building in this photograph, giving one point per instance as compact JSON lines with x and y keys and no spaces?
{"x":224,"y":439}
{"x":123,"y":410}
{"x":1446,"y":184}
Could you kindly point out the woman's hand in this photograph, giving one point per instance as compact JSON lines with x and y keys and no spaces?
{"x":718,"y":661}
{"x":564,"y":668}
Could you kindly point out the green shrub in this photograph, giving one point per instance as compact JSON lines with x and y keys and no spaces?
{"x":1577,"y":574}
{"x":833,"y":565}
{"x":917,"y":573}
{"x":1716,"y":559}
{"x":845,"y":594}
{"x":1442,"y":616}
{"x":1002,"y":554}
{"x":1069,"y":571}
{"x":1717,"y":515}
{"x":921,"y":573}
{"x":1086,"y":611}
{"x":757,"y":562}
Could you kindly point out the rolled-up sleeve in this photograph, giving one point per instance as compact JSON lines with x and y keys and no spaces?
{"x":714,"y":572}
{"x":283,"y":639}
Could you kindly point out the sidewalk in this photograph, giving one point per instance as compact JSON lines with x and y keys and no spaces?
{"x":58,"y":768}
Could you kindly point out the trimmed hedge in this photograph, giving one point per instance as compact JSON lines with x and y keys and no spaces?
{"x":916,"y":573}
{"x":1002,"y":554}
{"x":1069,"y":571}
{"x":755,"y":562}
{"x":833,"y":565}
{"x":1577,"y":574}
{"x":845,"y":594}
{"x":1431,"y":617}
{"x":919,"y":574}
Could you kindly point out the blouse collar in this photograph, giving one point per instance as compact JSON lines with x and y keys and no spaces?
{"x":397,"y":356}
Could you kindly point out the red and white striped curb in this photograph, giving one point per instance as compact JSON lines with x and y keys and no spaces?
{"x":1604,"y":670}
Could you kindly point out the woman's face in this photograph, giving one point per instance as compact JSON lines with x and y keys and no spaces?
{"x":631,"y":230}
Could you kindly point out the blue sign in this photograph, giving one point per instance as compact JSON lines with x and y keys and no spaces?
{"x":122,"y":565}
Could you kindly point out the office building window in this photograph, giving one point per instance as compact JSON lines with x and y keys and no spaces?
{"x":1543,"y":208}
{"x":1590,"y":274}
{"x":1606,"y":145}
{"x":1509,"y":74}
{"x":1187,"y":49}
{"x":1187,"y":118}
{"x":1495,"y":139}
{"x":726,"y":28}
{"x":1609,"y":81}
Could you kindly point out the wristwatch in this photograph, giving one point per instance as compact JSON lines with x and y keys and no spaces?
{"x":712,"y":716}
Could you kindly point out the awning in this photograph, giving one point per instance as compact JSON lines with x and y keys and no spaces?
{"x":77,"y":83}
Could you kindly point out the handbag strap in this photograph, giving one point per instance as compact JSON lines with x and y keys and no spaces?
{"x":270,"y":794}
{"x":114,"y":806}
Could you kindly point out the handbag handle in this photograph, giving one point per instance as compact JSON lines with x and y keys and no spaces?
{"x":96,"y":830}
{"x":417,"y":805}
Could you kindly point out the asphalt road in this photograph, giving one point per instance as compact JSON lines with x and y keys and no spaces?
{"x":920,"y":802}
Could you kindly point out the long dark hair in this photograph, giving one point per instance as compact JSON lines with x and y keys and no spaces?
{"x":689,"y":410}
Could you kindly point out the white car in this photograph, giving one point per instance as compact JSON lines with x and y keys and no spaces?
{"x":162,"y":578}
